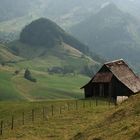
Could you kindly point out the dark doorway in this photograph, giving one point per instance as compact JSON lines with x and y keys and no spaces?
{"x":101,"y":90}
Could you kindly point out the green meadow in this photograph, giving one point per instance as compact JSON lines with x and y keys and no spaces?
{"x":55,"y":86}
{"x":38,"y":60}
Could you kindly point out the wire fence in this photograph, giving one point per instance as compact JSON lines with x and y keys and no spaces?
{"x":44,"y":112}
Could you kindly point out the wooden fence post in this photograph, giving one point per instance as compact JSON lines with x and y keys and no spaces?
{"x":1,"y":128}
{"x":12,"y":124}
{"x":96,"y":101}
{"x":60,"y":110}
{"x":23,"y":118}
{"x":76,"y":105}
{"x":52,"y":107}
{"x":43,"y":113}
{"x":63,"y":107}
{"x":68,"y":106}
{"x":109,"y":101}
{"x":33,"y":115}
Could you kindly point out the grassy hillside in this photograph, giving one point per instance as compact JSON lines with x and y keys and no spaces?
{"x":39,"y":60}
{"x":97,"y":122}
{"x":7,"y":87}
{"x":86,"y":122}
{"x":62,"y":55}
{"x":51,"y":86}
{"x":7,"y":56}
{"x":57,"y":127}
{"x":118,"y":124}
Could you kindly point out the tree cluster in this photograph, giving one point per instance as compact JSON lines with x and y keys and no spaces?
{"x":61,"y":70}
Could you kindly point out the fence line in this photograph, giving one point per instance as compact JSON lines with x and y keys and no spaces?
{"x":12,"y":124}
{"x":44,"y":111}
{"x":23,"y":122}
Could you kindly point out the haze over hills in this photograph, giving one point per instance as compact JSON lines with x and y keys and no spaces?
{"x":111,"y":33}
{"x":130,"y":6}
{"x":65,"y":13}
{"x":63,"y":9}
{"x":44,"y":33}
{"x":13,"y":17}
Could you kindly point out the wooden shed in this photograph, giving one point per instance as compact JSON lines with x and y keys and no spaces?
{"x":113,"y":79}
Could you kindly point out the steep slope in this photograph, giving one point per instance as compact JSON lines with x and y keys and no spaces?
{"x":7,"y":56}
{"x":43,"y":36}
{"x":120,"y":123}
{"x":43,"y":32}
{"x":112,"y":34}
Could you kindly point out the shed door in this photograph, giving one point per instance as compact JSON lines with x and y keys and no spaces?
{"x":101,"y":90}
{"x":104,"y":90}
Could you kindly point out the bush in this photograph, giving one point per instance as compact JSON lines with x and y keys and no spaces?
{"x":17,"y":72}
{"x":28,"y":76}
{"x":3,"y":63}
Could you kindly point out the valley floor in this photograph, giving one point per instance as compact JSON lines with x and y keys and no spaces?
{"x":48,"y":86}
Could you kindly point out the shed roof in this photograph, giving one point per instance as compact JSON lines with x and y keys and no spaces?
{"x":103,"y":77}
{"x":124,"y":74}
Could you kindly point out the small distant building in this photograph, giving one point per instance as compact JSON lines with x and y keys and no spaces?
{"x":112,"y":80}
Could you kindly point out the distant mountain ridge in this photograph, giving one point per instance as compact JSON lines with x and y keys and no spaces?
{"x":65,"y":13}
{"x":111,"y":33}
